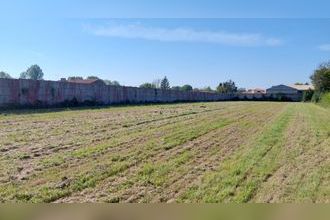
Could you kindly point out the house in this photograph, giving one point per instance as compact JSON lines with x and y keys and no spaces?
{"x":291,"y":89}
{"x":255,"y":91}
{"x":84,"y":81}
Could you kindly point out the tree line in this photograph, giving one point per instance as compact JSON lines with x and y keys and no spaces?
{"x":224,"y":87}
{"x":34,"y":72}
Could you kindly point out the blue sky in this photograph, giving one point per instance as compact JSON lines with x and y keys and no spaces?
{"x":197,"y":42}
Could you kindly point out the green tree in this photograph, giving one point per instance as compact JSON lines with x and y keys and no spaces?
{"x":4,"y":75}
{"x":147,"y":86}
{"x":111,"y":83}
{"x":92,"y":77}
{"x":227,"y":87}
{"x":186,"y":88}
{"x":307,"y":95}
{"x":321,"y":78}
{"x":33,"y":72}
{"x":165,"y":84}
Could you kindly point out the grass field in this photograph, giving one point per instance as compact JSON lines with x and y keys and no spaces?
{"x":200,"y":152}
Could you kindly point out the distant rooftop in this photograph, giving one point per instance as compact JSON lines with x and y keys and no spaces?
{"x":81,"y":81}
{"x":302,"y":87}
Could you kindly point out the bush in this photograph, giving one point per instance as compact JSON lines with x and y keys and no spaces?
{"x":325,"y":100}
{"x":316,"y":96}
{"x":308,"y":95}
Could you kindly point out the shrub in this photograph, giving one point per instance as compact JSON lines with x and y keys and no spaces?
{"x":325,"y":100}
{"x":316,"y":96}
{"x":307,"y":95}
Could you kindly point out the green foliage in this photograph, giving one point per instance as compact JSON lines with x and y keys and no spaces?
{"x":308,"y":95}
{"x":325,"y":100}
{"x":316,"y":96}
{"x":321,"y":78}
{"x":4,"y":75}
{"x":227,"y":87}
{"x":165,"y":84}
{"x":92,"y":77}
{"x":111,"y":83}
{"x":299,"y":83}
{"x":186,"y":88}
{"x":33,"y":72}
{"x":147,"y":86}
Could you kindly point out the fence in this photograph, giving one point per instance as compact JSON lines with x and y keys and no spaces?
{"x":22,"y":92}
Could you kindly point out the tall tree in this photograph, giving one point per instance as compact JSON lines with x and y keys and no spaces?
{"x":165,"y":84}
{"x":4,"y":75}
{"x":227,"y":87}
{"x":321,"y":78}
{"x":33,"y":72}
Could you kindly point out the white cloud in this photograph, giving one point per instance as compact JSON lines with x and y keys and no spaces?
{"x":138,"y":31}
{"x":325,"y":47}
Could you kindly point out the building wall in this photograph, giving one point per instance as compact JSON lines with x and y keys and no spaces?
{"x":14,"y":93}
{"x":22,"y":92}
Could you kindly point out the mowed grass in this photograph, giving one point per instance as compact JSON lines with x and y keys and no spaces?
{"x":200,"y":152}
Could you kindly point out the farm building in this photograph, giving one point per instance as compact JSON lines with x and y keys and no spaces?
{"x":292,"y":89}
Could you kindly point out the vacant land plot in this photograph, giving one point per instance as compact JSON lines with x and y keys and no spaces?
{"x":201,"y":152}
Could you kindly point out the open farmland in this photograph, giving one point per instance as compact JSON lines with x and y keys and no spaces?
{"x":200,"y":152}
